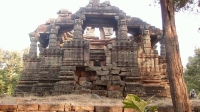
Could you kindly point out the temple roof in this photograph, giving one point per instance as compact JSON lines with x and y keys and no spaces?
{"x":96,"y":14}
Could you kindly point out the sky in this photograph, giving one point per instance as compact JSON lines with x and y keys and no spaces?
{"x":20,"y":17}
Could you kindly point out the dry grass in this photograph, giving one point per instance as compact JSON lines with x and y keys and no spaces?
{"x":85,"y":99}
{"x":73,"y":99}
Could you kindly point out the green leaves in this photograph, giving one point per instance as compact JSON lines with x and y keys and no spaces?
{"x":133,"y":101}
{"x":10,"y":70}
{"x":192,"y":73}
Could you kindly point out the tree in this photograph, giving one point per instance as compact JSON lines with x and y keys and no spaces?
{"x":192,"y":73}
{"x":10,"y":70}
{"x":174,"y":66}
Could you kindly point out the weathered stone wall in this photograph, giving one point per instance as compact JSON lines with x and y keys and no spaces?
{"x":107,"y":67}
{"x":72,"y":108}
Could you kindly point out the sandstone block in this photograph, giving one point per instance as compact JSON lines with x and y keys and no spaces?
{"x":102,"y":72}
{"x":92,"y":68}
{"x":82,"y":80}
{"x":124,"y":73}
{"x":67,"y":73}
{"x":105,"y":78}
{"x":35,"y":111}
{"x":168,"y":108}
{"x":76,"y":78}
{"x":93,"y":78}
{"x":132,"y":79}
{"x":104,"y":68}
{"x":121,"y":83}
{"x":85,"y":91}
{"x":99,"y":82}
{"x":51,"y":107}
{"x":107,"y":67}
{"x":66,"y":78}
{"x":114,"y":87}
{"x":69,"y":108}
{"x":115,"y":68}
{"x":68,"y":68}
{"x":108,"y":109}
{"x":8,"y":107}
{"x":115,"y":71}
{"x":115,"y":94}
{"x":115,"y":78}
{"x":100,"y":92}
{"x":84,"y":108}
{"x":27,"y":107}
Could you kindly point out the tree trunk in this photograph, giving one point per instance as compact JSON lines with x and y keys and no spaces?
{"x":174,"y":66}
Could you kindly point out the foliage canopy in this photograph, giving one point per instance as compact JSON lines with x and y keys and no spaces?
{"x":10,"y":70}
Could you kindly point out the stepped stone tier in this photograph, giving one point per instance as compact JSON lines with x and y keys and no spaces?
{"x":73,"y":60}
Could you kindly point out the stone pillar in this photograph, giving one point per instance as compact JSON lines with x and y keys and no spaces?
{"x":78,"y":30}
{"x":53,"y":36}
{"x":146,"y":41}
{"x":162,"y":48}
{"x":108,"y":32}
{"x":102,"y":33}
{"x":122,"y":30}
{"x":33,"y":46}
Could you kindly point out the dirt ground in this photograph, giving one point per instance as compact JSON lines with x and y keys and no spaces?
{"x":85,"y":99}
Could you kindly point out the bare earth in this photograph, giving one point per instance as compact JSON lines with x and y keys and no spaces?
{"x":85,"y":99}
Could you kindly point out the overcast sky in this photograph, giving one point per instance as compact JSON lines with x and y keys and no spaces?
{"x":20,"y":17}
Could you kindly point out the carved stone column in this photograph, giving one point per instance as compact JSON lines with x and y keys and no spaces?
{"x":33,"y":46}
{"x":146,"y":40}
{"x":53,"y":36}
{"x":122,"y":30}
{"x":78,"y":30}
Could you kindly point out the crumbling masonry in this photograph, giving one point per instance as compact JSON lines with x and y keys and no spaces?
{"x":70,"y":61}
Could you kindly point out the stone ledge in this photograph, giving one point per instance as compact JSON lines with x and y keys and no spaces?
{"x":34,"y":107}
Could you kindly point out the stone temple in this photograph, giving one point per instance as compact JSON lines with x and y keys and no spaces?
{"x":66,"y":57}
